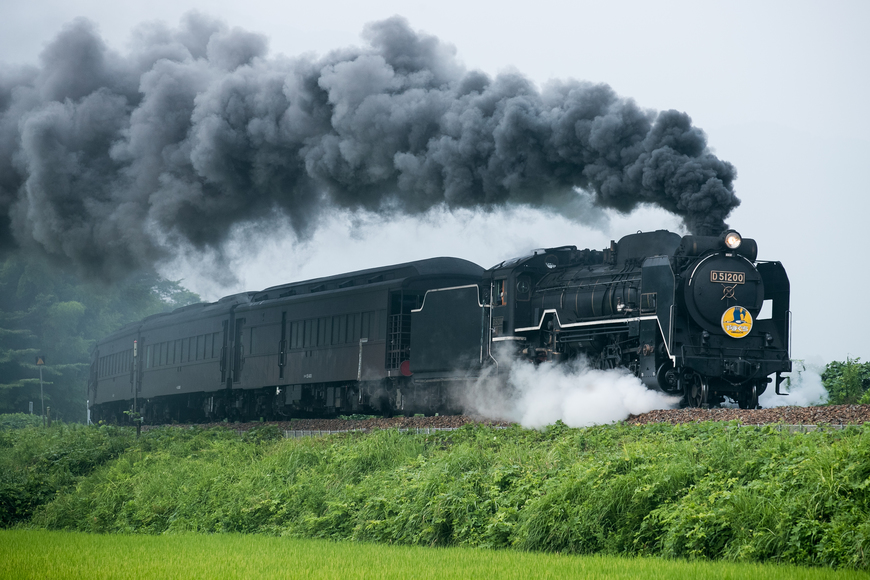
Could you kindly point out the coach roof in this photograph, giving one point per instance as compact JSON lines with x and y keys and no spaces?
{"x":431,"y":267}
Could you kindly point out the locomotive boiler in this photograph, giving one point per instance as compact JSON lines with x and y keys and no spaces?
{"x":695,"y":316}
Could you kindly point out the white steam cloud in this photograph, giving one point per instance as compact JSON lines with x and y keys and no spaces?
{"x":579,"y":396}
{"x":804,"y":387}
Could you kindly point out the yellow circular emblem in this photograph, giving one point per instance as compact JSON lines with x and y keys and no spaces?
{"x":737,"y":322}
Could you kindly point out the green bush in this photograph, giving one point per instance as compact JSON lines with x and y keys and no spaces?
{"x":847,"y":383}
{"x":19,"y":421}
{"x":37,"y":463}
{"x":709,"y":491}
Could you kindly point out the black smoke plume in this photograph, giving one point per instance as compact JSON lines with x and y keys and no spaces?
{"x":113,"y":162}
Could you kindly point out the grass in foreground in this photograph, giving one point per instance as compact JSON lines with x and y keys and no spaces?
{"x":26,"y":554}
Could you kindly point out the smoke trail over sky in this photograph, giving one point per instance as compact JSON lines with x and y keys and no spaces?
{"x":113,"y":162}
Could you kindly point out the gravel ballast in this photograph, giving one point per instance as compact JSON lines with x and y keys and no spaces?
{"x":824,"y":415}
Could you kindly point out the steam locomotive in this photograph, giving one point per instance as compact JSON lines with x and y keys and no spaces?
{"x":694,"y":316}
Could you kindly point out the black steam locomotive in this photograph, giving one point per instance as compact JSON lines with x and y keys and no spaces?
{"x":693,"y":316}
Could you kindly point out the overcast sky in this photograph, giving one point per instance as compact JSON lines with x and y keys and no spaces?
{"x":780,"y":88}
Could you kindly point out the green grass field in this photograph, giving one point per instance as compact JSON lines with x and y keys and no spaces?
{"x":26,"y":554}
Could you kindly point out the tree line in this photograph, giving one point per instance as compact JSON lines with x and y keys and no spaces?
{"x":48,"y":311}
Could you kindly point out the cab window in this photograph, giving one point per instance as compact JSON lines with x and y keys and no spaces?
{"x":498,"y":293}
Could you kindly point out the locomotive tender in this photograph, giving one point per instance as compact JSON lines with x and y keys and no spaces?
{"x":684,"y":314}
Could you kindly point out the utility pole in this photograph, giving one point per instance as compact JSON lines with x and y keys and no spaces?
{"x":40,"y":362}
{"x":136,"y":389}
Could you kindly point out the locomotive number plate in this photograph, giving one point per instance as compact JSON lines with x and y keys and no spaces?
{"x":728,"y":277}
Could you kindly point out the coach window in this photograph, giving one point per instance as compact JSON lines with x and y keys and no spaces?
{"x":342,"y":329}
{"x":353,"y":327}
{"x":335,"y":325}
{"x":294,"y":335}
{"x":309,"y":332}
{"x":366,"y":325}
{"x":322,"y":339}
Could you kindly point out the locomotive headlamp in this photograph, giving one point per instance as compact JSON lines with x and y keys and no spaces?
{"x":732,"y":239}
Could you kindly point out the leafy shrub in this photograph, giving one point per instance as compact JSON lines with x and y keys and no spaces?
{"x":19,"y":421}
{"x":37,"y":463}
{"x":847,"y":383}
{"x":689,"y":491}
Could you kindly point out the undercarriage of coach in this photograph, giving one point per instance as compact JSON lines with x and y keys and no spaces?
{"x":385,"y":397}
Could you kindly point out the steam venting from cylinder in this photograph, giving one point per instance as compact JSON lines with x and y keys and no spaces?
{"x":112,"y":162}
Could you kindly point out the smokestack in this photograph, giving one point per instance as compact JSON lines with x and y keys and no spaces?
{"x":113,"y":162}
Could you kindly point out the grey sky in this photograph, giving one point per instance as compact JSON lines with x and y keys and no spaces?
{"x":780,"y":88}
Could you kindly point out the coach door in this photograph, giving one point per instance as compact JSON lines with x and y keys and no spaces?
{"x":225,"y":351}
{"x":238,"y":349}
{"x":399,"y":327}
{"x":282,"y":346}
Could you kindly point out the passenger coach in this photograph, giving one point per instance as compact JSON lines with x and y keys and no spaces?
{"x":333,"y":345}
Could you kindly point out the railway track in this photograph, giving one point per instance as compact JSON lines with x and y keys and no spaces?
{"x":793,"y":418}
